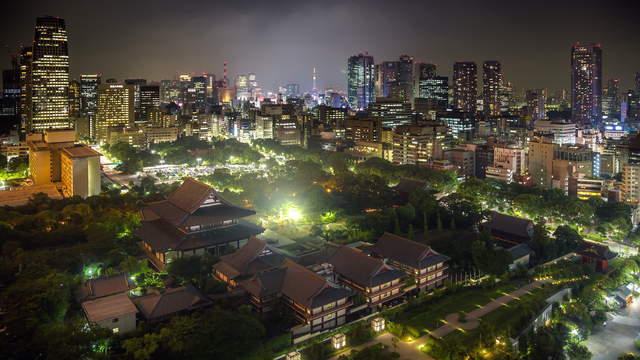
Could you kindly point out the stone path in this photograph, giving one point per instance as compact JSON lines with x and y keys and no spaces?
{"x":411,"y":350}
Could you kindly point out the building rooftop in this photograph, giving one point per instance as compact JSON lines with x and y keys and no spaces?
{"x":104,"y":286}
{"x":170,"y":301}
{"x":108,"y":307}
{"x":80,"y":151}
{"x":250,"y":259}
{"x":405,"y":251}
{"x":361,"y":268}
{"x":22,"y":195}
{"x":509,"y":224}
{"x":295,"y":282}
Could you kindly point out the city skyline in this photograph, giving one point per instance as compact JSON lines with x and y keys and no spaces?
{"x":142,"y":37}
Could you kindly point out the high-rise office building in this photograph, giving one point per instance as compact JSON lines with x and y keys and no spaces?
{"x":611,"y":99}
{"x":405,"y":78}
{"x":89,"y":93}
{"x":432,"y":94}
{"x":535,"y":108}
{"x":292,"y":90}
{"x":74,"y":98}
{"x":360,"y":85}
{"x":149,"y":101}
{"x":638,"y":82}
{"x":25,"y":63}
{"x":200,"y":96}
{"x":491,"y":87}
{"x":421,"y":73}
{"x":392,"y":112}
{"x":136,"y":83}
{"x":386,"y":76}
{"x":115,"y":109}
{"x":10,"y":110}
{"x":586,"y":83}
{"x":49,"y":76}
{"x":465,"y":82}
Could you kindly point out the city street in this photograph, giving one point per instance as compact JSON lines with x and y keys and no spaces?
{"x":617,"y":337}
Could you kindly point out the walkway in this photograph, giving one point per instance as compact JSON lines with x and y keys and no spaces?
{"x":411,"y":350}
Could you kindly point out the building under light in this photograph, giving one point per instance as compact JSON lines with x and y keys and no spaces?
{"x":49,"y":90}
{"x":115,"y":109}
{"x":491,"y":86}
{"x":360,"y":81}
{"x":586,"y":83}
{"x":465,"y":82}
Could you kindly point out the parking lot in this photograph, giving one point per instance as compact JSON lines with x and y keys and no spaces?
{"x":617,"y":336}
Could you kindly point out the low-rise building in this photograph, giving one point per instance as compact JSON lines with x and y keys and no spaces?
{"x":269,"y":278}
{"x":193,"y":220}
{"x":509,"y":229}
{"x":369,"y":276}
{"x":159,"y":305}
{"x":114,"y":312}
{"x":426,"y":266}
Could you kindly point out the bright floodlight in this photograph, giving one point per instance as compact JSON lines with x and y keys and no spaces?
{"x":294,"y":214}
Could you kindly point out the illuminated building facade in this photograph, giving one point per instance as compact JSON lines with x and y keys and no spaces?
{"x":418,"y":144}
{"x":541,"y":152}
{"x":491,"y":86}
{"x":392,"y":112}
{"x":49,"y":76}
{"x":115,"y":109}
{"x":536,"y":101}
{"x":465,"y":79}
{"x":586,"y":83}
{"x":435,"y":92}
{"x":405,"y":78}
{"x":360,"y":86}
{"x":89,"y":93}
{"x":149,"y":102}
{"x":386,"y":76}
{"x":461,"y":124}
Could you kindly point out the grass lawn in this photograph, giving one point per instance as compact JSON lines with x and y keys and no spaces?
{"x":506,"y":318}
{"x":427,"y":315}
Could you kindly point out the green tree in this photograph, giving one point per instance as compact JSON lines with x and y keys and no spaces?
{"x":142,"y":348}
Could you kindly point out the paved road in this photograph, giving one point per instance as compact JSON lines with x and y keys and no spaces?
{"x":411,"y":350}
{"x":617,"y":337}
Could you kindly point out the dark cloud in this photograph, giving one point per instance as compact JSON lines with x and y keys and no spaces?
{"x":281,"y":41}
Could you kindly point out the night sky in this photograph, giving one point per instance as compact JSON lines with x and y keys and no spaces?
{"x":281,"y":41}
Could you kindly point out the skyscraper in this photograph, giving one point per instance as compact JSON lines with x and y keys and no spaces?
{"x":293,"y":90}
{"x":435,"y":92}
{"x":536,"y":101}
{"x":611,"y":99}
{"x":465,"y":80}
{"x":149,"y":101}
{"x":421,"y":73}
{"x":586,"y":83}
{"x":89,"y":93}
{"x":405,"y":78}
{"x":360,"y":81}
{"x":49,"y":76}
{"x":115,"y":109}
{"x":491,"y":87}
{"x":386,"y":77}
{"x":11,"y":94}
{"x":638,"y":82}
{"x":25,"y":62}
